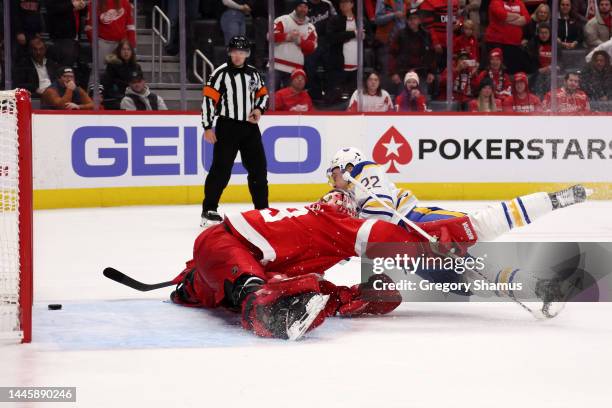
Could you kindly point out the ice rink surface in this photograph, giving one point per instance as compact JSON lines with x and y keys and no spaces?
{"x":124,"y":348}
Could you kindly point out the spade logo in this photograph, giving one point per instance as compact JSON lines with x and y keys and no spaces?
{"x":392,"y":148}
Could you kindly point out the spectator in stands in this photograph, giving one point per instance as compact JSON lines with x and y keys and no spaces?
{"x":373,"y":97}
{"x":26,"y":23}
{"x":411,"y":49}
{"x":369,"y":7}
{"x":139,"y":97}
{"x":584,"y":10}
{"x":294,"y":98}
{"x":597,"y":77}
{"x":63,"y":23}
{"x":496,"y":71}
{"x":343,"y":35}
{"x":464,"y":75}
{"x":320,"y":13}
{"x":411,"y":99}
{"x":607,"y":47}
{"x":486,"y":101}
{"x":505,"y":31}
{"x":119,"y":66}
{"x":115,"y":23}
{"x":541,"y":15}
{"x":570,"y":99}
{"x":65,"y":94}
{"x":390,"y":18}
{"x":521,"y":99}
{"x":540,"y":52}
{"x":233,"y":19}
{"x":433,"y":16}
{"x":598,"y":29}
{"x":36,"y":72}
{"x":192,"y":12}
{"x":570,"y":28}
{"x":471,"y":9}
{"x":294,"y":37}
{"x":467,"y":41}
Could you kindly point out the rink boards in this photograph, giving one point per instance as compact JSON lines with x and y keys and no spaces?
{"x":85,"y":159}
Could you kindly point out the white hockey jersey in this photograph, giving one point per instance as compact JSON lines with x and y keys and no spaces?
{"x":372,"y":176}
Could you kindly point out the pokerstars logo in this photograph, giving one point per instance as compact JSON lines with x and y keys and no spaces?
{"x":392,"y":148}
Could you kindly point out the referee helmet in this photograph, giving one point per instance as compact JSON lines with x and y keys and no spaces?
{"x":239,"y":42}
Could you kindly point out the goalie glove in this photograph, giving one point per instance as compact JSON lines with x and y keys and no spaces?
{"x":455,"y":235}
{"x":361,"y":299}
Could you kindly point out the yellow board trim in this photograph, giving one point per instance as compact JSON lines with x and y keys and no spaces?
{"x":176,"y":195}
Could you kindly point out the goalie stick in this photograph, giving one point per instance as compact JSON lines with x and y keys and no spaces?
{"x":433,"y":240}
{"x":120,"y":277}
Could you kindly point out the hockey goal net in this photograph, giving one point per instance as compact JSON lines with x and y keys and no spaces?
{"x":15,"y":216}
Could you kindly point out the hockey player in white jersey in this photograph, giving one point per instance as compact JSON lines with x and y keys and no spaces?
{"x":489,"y":222}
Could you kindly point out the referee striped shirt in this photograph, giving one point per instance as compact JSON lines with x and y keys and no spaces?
{"x":233,"y":93}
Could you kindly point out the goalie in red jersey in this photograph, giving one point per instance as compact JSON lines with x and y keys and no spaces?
{"x":268,"y":263}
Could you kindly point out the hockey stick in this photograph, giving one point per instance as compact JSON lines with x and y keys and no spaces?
{"x":120,"y":277}
{"x":433,"y":240}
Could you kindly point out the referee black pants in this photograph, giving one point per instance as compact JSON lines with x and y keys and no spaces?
{"x":233,"y":137}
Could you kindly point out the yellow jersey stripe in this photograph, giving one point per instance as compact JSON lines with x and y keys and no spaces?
{"x":516,"y":215}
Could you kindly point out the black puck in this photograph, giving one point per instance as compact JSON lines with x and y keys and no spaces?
{"x":55,"y":306}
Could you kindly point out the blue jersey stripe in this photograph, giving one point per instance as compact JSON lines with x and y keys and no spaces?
{"x":507,"y":215}
{"x":384,"y":196}
{"x":510,"y":281}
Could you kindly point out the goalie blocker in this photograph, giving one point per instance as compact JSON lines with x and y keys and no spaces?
{"x":268,"y":264}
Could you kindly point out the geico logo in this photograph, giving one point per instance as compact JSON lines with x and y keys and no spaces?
{"x":109,"y":151}
{"x":506,"y":149}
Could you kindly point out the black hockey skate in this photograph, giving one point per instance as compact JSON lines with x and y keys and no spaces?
{"x":210,"y":218}
{"x":570,"y":196}
{"x":554,"y":293}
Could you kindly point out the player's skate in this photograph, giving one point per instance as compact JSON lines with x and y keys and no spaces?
{"x":554,"y":293}
{"x":210,"y":218}
{"x":569,"y":196}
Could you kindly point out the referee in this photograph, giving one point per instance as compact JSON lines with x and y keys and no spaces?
{"x":236,"y":95}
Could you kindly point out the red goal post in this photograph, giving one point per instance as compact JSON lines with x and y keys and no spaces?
{"x":16,"y":256}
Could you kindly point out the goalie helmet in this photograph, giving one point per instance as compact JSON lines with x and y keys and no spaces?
{"x":342,"y":158}
{"x":341,"y":200}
